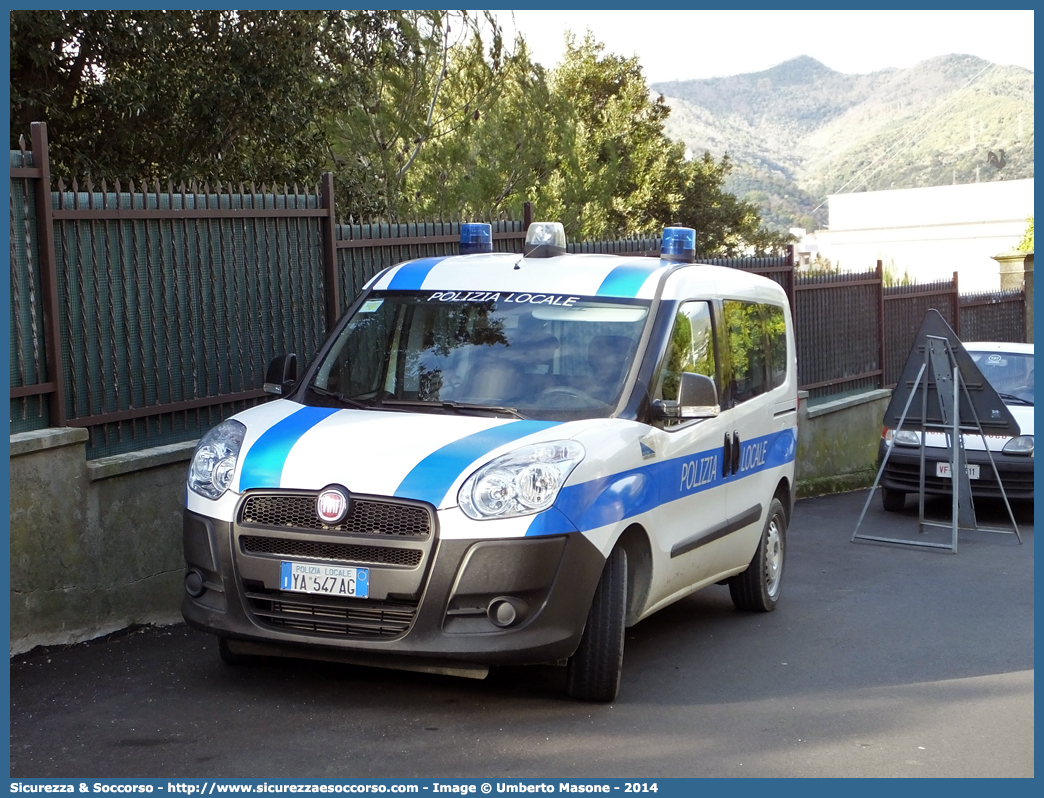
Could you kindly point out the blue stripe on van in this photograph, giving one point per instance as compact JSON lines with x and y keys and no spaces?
{"x":263,"y":464}
{"x":627,"y":279}
{"x":432,"y":477}
{"x":410,"y":276}
{"x":607,"y":500}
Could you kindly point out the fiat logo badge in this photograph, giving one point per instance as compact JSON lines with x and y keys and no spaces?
{"x":332,"y":505}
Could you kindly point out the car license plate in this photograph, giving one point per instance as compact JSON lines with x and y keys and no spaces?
{"x":326,"y":580}
{"x":943,"y":470}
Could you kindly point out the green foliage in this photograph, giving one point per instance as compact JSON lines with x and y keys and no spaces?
{"x":494,"y":159}
{"x":183,"y":94}
{"x":1026,"y":244}
{"x":427,"y":94}
{"x":615,"y":177}
{"x":891,"y":277}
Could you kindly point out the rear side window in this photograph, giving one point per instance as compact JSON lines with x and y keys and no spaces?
{"x":757,"y":342}
{"x":776,"y":344}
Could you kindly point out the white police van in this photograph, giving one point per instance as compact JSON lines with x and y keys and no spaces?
{"x":504,"y":459}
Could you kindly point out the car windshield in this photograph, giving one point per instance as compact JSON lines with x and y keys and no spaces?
{"x":539,"y":356}
{"x":1010,"y":374}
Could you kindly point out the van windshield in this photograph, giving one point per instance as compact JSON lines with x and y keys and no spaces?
{"x":539,"y":356}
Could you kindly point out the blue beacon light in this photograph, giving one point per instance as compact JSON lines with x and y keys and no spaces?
{"x":679,"y":244}
{"x":476,"y":238}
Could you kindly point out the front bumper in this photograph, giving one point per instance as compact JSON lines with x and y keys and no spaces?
{"x":902,"y":473}
{"x":429,"y":604}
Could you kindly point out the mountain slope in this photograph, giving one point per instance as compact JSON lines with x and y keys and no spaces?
{"x":800,"y":131}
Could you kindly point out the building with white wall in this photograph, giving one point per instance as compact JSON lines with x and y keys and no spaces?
{"x":929,"y":233}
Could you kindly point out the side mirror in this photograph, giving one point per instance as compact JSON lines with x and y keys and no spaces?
{"x":697,"y":398}
{"x":282,"y":375}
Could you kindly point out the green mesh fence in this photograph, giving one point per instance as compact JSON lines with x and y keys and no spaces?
{"x":178,"y":317}
{"x":28,"y":353}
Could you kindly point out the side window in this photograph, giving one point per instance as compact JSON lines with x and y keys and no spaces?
{"x":757,"y":340}
{"x":776,"y":345}
{"x":691,"y":348}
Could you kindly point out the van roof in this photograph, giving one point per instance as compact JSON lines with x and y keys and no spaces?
{"x":582,"y":275}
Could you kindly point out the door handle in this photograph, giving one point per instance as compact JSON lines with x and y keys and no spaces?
{"x":726,"y":459}
{"x":735,"y":452}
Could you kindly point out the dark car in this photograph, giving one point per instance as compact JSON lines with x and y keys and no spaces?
{"x":1009,"y":369}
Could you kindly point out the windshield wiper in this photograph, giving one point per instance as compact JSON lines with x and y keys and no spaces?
{"x":340,"y":397}
{"x":460,"y":408}
{"x":1012,"y":398}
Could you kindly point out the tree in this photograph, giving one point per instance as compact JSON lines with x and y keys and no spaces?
{"x":617,"y":174}
{"x":724,"y":224}
{"x":1026,"y":244}
{"x":448,"y":74}
{"x":494,"y":160}
{"x":186,"y":94}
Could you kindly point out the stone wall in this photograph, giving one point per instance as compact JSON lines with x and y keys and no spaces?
{"x":95,"y":546}
{"x":837,"y":442}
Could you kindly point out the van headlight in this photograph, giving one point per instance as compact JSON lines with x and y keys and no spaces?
{"x":521,"y":482}
{"x":214,"y":461}
{"x":1023,"y":445}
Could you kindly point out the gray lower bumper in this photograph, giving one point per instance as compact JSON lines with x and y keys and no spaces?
{"x":435,"y":616}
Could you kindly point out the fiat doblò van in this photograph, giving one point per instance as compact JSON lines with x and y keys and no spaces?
{"x":504,"y":459}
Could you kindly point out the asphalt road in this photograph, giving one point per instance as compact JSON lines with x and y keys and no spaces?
{"x":879,"y":661}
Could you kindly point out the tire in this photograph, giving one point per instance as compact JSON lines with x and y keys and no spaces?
{"x":758,"y":588}
{"x":594,"y":671}
{"x":894,"y":501}
{"x":230,"y":657}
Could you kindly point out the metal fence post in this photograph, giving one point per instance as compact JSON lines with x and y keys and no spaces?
{"x":956,"y":299}
{"x":881,"y":323}
{"x":790,"y":278}
{"x":333,"y":284}
{"x":48,"y":273}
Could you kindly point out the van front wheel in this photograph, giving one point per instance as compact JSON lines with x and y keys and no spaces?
{"x":234,"y":658}
{"x":594,"y":670}
{"x":758,"y":588}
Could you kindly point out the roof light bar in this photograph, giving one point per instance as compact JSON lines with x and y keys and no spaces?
{"x":476,"y":238}
{"x":679,"y":244}
{"x":545,"y":240}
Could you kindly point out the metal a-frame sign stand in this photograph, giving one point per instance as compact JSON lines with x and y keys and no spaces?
{"x":941,"y":365}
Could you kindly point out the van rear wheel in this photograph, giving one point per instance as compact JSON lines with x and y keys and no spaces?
{"x":594,"y":671}
{"x":758,"y":588}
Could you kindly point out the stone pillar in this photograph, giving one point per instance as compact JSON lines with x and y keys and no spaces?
{"x":1016,"y":271}
{"x":1012,"y":269}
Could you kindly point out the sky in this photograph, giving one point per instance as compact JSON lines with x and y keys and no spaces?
{"x":716,"y":43}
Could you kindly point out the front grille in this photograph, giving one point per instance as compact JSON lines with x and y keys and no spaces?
{"x":907,"y":475}
{"x":339,"y":552}
{"x":366,"y":517}
{"x":321,"y":615}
